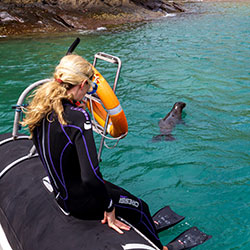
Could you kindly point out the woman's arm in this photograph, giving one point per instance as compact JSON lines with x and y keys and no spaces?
{"x":90,"y":173}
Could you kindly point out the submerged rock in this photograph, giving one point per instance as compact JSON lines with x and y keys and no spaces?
{"x":26,"y":16}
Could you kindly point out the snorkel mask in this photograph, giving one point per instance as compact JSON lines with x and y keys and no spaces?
{"x":93,"y":88}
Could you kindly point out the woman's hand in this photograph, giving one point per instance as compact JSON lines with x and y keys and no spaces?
{"x":114,"y":223}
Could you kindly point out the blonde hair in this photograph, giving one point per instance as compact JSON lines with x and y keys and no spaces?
{"x":71,"y":71}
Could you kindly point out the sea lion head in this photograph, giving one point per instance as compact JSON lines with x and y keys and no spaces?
{"x":175,"y":114}
{"x":169,"y":121}
{"x":179,"y":106}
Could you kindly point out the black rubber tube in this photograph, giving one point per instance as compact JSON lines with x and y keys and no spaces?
{"x":73,"y":46}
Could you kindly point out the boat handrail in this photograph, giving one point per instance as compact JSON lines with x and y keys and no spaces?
{"x":20,"y":104}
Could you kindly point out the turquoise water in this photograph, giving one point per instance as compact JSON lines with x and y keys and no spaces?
{"x":201,"y":58}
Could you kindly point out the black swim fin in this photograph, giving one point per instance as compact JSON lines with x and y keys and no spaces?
{"x":166,"y":218}
{"x":188,"y":239}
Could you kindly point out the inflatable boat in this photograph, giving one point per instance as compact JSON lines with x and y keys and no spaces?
{"x":30,"y":218}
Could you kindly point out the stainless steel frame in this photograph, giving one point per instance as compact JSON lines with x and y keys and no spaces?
{"x":19,"y":105}
{"x":114,"y":60}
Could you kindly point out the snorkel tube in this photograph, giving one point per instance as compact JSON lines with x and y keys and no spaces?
{"x":73,"y":46}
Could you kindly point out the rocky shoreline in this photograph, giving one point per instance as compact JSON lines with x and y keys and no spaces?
{"x":52,"y":16}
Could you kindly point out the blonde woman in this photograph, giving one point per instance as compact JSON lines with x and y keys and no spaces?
{"x":62,"y":133}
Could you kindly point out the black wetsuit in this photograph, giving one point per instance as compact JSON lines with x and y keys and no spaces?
{"x":69,"y":155}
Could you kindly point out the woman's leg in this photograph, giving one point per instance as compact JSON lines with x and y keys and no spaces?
{"x":135,"y":211}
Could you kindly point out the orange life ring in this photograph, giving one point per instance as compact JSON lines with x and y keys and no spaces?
{"x":117,"y":124}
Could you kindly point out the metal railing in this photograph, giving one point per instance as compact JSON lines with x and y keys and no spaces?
{"x":96,"y":127}
{"x":113,"y":60}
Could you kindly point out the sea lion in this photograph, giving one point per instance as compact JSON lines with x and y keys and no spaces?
{"x":169,"y":121}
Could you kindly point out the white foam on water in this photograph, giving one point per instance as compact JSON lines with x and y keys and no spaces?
{"x":170,"y":15}
{"x":101,"y":28}
{"x":83,"y":32}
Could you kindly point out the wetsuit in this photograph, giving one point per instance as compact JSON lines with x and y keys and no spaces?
{"x":69,"y":156}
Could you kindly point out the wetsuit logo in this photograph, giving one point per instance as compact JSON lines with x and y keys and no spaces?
{"x":125,"y":200}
